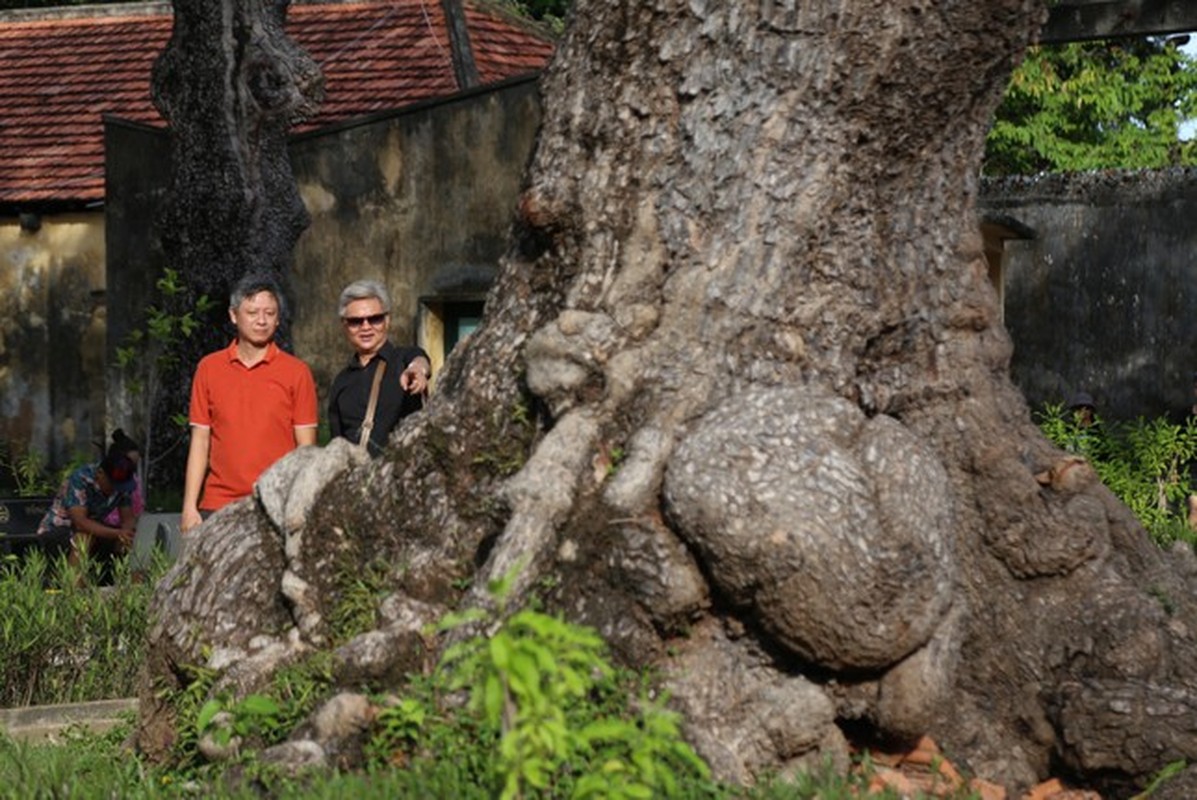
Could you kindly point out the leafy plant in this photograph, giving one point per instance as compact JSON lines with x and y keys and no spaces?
{"x":525,"y":677}
{"x":63,"y":637}
{"x":268,"y":717}
{"x":398,"y":726}
{"x":28,"y":472}
{"x":1145,"y":462}
{"x":150,"y":352}
{"x":255,"y":715}
{"x":1095,"y":105}
{"x":187,"y":702}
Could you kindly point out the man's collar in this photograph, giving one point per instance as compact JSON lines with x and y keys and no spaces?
{"x":386,"y":353}
{"x":235,"y":355}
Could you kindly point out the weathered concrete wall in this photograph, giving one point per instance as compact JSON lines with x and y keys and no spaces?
{"x":52,"y":334}
{"x":1104,"y":297}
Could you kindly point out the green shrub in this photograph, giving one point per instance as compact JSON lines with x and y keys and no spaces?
{"x":554,"y":718}
{"x":1144,"y":462}
{"x":27,"y":473}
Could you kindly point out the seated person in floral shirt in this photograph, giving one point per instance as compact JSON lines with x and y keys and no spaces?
{"x":85,"y":498}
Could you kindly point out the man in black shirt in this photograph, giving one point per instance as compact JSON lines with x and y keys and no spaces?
{"x":365,"y":311}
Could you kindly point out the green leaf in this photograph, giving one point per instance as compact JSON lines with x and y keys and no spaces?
{"x":493,"y":699}
{"x":608,"y":729}
{"x":258,"y":705}
{"x":536,"y":772}
{"x":500,"y":651}
{"x":456,"y":619}
{"x":207,"y":711}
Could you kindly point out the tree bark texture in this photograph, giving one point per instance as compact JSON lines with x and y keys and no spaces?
{"x":231,"y":84}
{"x":741,"y":402}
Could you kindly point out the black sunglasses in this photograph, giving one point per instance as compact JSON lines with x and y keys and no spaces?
{"x":356,"y":322}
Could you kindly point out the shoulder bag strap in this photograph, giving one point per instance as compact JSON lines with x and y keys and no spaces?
{"x":368,"y":423}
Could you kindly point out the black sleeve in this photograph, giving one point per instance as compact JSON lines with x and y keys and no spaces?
{"x":409,"y":354}
{"x":335,"y":426}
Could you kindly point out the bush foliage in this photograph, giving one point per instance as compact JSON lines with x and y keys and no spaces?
{"x":1107,"y":104}
{"x":1146,"y":462}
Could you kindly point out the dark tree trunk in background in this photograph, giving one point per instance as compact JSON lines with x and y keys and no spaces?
{"x":741,"y":402}
{"x":231,"y":85}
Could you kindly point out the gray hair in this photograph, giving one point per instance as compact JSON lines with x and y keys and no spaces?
{"x":252,"y":283}
{"x":364,"y":290}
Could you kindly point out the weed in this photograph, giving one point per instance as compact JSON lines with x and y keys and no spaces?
{"x":615,"y":457}
{"x":359,"y":590}
{"x":1166,"y":774}
{"x":510,"y":438}
{"x":1166,"y":601}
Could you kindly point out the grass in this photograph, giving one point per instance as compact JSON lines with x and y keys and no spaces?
{"x":65,"y":637}
{"x":89,"y":766}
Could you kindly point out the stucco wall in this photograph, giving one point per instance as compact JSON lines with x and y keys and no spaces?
{"x":52,"y":334}
{"x":1103,"y":298}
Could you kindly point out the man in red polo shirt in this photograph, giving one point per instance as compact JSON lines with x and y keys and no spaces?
{"x":251,"y":404}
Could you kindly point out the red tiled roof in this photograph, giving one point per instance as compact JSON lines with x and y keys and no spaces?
{"x":61,"y":75}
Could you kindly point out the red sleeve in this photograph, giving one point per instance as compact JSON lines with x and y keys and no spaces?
{"x":200,"y":413}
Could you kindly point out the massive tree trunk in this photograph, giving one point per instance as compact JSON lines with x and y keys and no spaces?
{"x":741,"y":392}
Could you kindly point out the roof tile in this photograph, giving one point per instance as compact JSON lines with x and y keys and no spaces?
{"x":62,"y":75}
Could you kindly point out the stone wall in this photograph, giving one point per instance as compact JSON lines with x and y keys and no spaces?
{"x":1102,"y":296}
